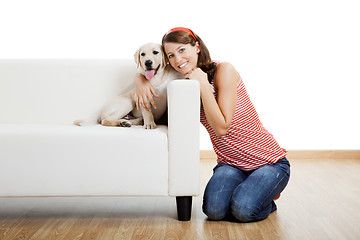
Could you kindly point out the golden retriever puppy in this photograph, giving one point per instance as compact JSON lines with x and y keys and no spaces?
{"x":121,"y":110}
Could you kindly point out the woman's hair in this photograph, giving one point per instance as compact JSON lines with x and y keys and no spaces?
{"x":204,"y":60}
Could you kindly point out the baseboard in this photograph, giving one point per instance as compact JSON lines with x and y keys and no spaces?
{"x":207,"y":154}
{"x":303,"y":154}
{"x":324,"y":154}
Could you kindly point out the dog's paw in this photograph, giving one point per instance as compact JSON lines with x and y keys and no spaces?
{"x":150,"y":125}
{"x":125,"y":123}
{"x":78,"y":122}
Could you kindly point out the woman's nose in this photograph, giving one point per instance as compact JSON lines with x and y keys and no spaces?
{"x":177,"y":58}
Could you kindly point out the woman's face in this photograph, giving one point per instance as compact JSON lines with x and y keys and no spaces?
{"x":182,"y":57}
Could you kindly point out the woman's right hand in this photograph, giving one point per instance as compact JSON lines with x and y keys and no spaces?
{"x":144,"y":93}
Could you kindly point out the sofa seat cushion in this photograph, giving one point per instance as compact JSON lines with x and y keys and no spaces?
{"x":67,"y":160}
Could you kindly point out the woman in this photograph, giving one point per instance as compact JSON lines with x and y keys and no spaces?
{"x":252,"y":169}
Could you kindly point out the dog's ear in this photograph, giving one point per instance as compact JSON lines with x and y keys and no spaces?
{"x":137,"y":57}
{"x":164,"y":58}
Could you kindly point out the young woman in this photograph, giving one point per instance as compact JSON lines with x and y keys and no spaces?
{"x":252,"y":169}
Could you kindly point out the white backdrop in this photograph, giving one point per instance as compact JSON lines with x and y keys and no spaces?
{"x":300,"y":60}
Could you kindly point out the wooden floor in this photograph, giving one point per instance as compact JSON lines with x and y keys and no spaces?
{"x":322,"y":201}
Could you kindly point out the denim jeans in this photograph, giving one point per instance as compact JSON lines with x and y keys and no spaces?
{"x":245,"y":196}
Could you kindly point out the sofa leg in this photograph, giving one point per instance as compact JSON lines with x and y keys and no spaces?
{"x":184,"y":207}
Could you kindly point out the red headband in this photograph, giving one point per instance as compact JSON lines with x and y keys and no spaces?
{"x":183,"y":30}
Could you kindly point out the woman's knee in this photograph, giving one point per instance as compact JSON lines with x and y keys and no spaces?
{"x":215,"y":211}
{"x":250,"y":212}
{"x":243,"y":213}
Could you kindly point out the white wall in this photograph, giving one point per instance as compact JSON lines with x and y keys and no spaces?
{"x":300,"y":60}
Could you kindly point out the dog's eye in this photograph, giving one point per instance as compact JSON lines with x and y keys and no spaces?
{"x":155,"y":52}
{"x":143,"y":54}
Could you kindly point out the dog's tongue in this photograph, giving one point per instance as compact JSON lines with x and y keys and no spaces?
{"x":149,"y":74}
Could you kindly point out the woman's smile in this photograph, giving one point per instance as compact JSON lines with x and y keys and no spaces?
{"x":184,"y":64}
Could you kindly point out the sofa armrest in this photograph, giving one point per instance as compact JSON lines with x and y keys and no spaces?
{"x":183,"y":134}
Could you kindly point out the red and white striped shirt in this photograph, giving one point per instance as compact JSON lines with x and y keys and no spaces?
{"x":247,"y":144}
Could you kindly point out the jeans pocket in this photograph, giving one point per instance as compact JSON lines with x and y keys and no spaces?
{"x":284,"y":165}
{"x":284,"y":161}
{"x":218,"y":165}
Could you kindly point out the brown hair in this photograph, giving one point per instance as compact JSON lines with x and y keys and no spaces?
{"x":204,"y":60}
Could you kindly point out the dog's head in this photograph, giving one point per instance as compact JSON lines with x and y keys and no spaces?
{"x":150,"y":59}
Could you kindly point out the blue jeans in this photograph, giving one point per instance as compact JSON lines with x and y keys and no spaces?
{"x":247,"y":196}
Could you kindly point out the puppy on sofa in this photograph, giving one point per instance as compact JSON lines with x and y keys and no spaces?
{"x":121,"y":110}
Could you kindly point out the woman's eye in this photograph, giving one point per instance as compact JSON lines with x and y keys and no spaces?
{"x":181,"y":50}
{"x":171,"y":55}
{"x":155,"y":52}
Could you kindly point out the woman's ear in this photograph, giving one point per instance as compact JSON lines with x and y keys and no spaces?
{"x":198,"y":47}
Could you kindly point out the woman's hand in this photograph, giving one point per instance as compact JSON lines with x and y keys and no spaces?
{"x":144,"y":93}
{"x":198,"y":74}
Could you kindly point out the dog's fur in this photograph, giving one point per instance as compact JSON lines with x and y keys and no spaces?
{"x":148,"y":57}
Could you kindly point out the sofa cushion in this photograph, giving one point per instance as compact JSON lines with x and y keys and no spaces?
{"x":58,"y":91}
{"x":88,"y":160}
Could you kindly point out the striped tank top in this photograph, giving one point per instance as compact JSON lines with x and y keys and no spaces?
{"x":247,"y":145}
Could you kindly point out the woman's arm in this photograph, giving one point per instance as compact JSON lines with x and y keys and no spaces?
{"x":144,"y":93}
{"x":219,"y":113}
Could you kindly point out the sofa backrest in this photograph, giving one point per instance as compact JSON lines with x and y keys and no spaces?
{"x":58,"y":91}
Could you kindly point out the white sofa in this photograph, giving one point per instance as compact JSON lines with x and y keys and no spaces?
{"x":43,"y":154}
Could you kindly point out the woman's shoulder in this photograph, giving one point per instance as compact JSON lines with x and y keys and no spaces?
{"x":225,"y":66}
{"x":226,"y":74}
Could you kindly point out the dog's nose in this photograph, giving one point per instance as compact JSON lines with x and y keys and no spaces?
{"x":148,"y":63}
